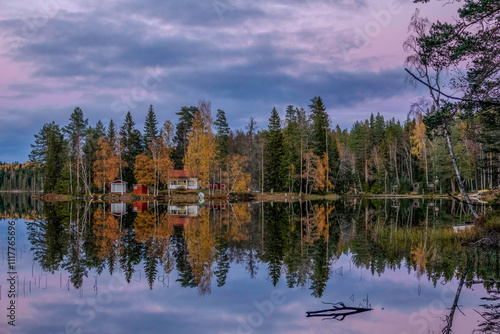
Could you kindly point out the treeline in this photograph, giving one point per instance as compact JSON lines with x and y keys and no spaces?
{"x":300,"y":153}
{"x":17,"y":176}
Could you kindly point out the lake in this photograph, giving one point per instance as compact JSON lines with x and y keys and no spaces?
{"x":386,"y":266}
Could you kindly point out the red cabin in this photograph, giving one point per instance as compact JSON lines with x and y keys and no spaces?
{"x":141,"y":189}
{"x":141,"y":206}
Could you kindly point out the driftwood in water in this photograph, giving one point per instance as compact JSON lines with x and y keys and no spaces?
{"x":338,"y":311}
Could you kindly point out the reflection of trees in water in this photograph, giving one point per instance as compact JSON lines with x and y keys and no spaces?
{"x":491,"y":312}
{"x":48,"y":238}
{"x":76,"y":263}
{"x":298,"y":242}
{"x":200,"y":241}
{"x":20,"y":205}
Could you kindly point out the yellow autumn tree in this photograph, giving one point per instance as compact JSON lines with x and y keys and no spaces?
{"x":418,"y":140}
{"x":237,"y":180}
{"x":200,"y":155}
{"x":144,"y":170}
{"x":107,"y":164}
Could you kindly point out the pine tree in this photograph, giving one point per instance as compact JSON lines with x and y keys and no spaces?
{"x":183,"y":127}
{"x":274,"y":160}
{"x":76,"y":131}
{"x":150,"y":127}
{"x":39,"y":148}
{"x":222,"y":137}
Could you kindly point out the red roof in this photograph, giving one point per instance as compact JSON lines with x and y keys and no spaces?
{"x":181,"y":173}
{"x":118,"y":181}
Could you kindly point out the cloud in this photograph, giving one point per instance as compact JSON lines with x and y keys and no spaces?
{"x":244,"y":56}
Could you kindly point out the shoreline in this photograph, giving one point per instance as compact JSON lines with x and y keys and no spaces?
{"x":192,"y":197}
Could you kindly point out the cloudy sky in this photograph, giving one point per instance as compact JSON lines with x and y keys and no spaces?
{"x":246,"y":57}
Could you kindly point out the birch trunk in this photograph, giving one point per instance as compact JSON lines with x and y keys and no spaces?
{"x":459,"y":178}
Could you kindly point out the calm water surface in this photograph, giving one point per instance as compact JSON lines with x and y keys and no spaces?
{"x":241,"y":268}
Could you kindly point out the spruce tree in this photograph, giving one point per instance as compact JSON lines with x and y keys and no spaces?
{"x":150,"y":127}
{"x":222,"y":138}
{"x":55,"y":157}
{"x":320,"y":124}
{"x":274,"y":158}
{"x":132,"y":146}
{"x":111,"y":134}
{"x":292,"y":143}
{"x":90,"y":147}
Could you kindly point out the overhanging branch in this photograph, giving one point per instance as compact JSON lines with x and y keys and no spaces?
{"x":448,"y":96}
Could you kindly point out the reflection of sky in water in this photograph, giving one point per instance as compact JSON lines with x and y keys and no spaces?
{"x":233,"y":308}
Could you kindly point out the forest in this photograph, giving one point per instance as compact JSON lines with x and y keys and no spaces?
{"x":299,"y":152}
{"x":446,"y":144}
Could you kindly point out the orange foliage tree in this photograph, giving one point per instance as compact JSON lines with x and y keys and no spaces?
{"x":107,"y":164}
{"x":200,"y":155}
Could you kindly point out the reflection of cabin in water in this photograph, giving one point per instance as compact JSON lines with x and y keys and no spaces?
{"x":186,"y":210}
{"x":180,"y":215}
{"x":118,"y":187}
{"x":141,"y":207}
{"x":118,"y":209}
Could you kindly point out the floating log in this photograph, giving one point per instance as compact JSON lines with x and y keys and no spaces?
{"x":338,"y":311}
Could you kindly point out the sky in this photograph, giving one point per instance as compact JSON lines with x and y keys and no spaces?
{"x":246,"y":57}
